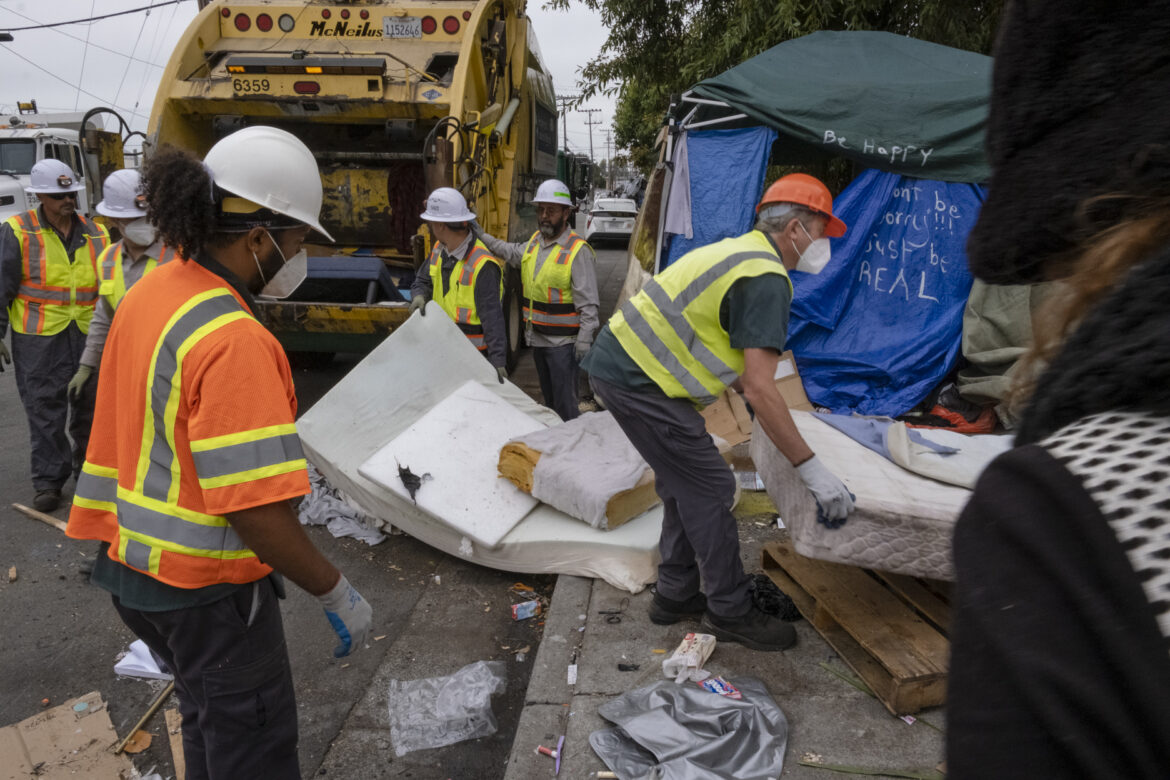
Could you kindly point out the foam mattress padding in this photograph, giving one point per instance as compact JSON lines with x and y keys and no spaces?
{"x":418,"y":365}
{"x":901,"y":523}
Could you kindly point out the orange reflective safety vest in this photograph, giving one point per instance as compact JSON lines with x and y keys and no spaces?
{"x":112,"y":274}
{"x":193,"y":421}
{"x":459,"y":299}
{"x":549,"y":307}
{"x":54,"y":289}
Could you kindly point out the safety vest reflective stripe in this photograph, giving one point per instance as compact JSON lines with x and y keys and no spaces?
{"x":459,"y":300}
{"x":659,"y":329}
{"x":55,"y":290}
{"x":97,"y":488}
{"x":157,"y":474}
{"x":113,"y":274}
{"x":247,"y":456}
{"x":549,"y":291}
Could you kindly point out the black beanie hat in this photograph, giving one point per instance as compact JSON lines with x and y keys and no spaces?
{"x":1080,"y":108}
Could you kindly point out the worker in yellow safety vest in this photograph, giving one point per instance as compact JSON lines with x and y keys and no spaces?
{"x":717,"y":317}
{"x":559,"y":272}
{"x":48,"y":288}
{"x":120,"y":265}
{"x":462,"y":277}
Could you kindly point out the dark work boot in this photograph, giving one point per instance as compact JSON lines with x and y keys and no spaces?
{"x":755,"y":629}
{"x":667,"y":612}
{"x":47,"y":500}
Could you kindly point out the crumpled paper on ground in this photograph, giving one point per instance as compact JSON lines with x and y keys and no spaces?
{"x":686,"y":662}
{"x":328,"y":506}
{"x":583,"y":463}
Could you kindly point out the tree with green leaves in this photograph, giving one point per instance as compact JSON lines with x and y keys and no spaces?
{"x":657,"y":48}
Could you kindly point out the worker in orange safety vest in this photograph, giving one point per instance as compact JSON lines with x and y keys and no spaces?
{"x":195,"y":455}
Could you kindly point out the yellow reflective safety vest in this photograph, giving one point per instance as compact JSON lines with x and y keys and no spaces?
{"x":549,"y":305}
{"x":112,"y":274}
{"x":459,"y":299}
{"x":54,"y":290}
{"x":671,"y":328}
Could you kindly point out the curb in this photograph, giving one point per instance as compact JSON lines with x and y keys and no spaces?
{"x":546,"y":703}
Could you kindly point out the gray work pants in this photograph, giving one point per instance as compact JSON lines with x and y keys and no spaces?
{"x":44,"y":365}
{"x":556,"y":368}
{"x":697,"y":488}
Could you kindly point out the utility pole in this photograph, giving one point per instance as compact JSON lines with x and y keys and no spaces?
{"x":564,"y":105}
{"x":609,"y":157}
{"x":591,"y":123}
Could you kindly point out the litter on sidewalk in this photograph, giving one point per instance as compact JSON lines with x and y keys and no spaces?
{"x":686,"y":662}
{"x":139,"y":662}
{"x":326,"y":505}
{"x":71,"y":739}
{"x":684,"y":732}
{"x":437,"y":711}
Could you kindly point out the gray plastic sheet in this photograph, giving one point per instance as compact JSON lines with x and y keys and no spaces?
{"x":668,"y":731}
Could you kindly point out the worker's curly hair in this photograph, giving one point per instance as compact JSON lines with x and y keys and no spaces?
{"x":179,"y":202}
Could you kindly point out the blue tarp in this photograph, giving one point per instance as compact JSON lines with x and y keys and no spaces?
{"x":880,"y":327}
{"x":726,"y":180}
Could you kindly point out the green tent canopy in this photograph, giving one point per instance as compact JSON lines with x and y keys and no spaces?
{"x":887,"y":101}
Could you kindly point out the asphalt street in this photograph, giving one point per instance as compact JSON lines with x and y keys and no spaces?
{"x":61,"y":637}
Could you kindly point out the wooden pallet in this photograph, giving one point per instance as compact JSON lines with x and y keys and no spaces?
{"x":889,"y":628}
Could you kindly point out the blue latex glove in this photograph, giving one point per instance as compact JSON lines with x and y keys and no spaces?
{"x":349,"y":614}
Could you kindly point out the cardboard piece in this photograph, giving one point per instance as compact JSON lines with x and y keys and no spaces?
{"x":728,"y":417}
{"x":72,"y":740}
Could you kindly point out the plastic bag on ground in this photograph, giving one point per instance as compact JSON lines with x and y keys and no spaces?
{"x":438,"y":711}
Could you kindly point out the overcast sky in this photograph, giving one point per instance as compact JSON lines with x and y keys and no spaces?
{"x":79,"y":66}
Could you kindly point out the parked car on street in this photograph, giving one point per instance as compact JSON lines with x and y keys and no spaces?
{"x":611,"y":218}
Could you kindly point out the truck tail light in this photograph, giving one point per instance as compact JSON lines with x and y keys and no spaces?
{"x":428,"y":24}
{"x":243,"y":23}
{"x":263,"y":22}
{"x":450,"y":25}
{"x":306,"y":87}
{"x":286,"y":22}
{"x":225,"y":13}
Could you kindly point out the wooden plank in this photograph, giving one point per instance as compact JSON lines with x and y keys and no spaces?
{"x":900,"y":640}
{"x":901,"y":695}
{"x":175,"y":736}
{"x":914,"y":593}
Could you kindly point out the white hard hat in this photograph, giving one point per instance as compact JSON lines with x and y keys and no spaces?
{"x":271,"y":168}
{"x":122,"y":196}
{"x":553,"y":191}
{"x":447,"y":204}
{"x":49,"y":176}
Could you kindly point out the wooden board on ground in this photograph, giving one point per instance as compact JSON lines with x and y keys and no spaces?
{"x":902,"y":657}
{"x":175,"y":735}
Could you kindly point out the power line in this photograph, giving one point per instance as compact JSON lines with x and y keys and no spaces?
{"x":74,"y":86}
{"x":125,"y":73}
{"x":84,"y":54}
{"x":94,"y":18}
{"x":83,"y":40}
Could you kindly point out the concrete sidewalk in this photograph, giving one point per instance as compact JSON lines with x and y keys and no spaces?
{"x":826,"y":716}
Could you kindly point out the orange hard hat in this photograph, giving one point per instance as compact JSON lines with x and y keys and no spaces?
{"x":807,"y":191}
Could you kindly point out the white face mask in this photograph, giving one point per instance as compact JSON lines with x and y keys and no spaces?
{"x":140,"y":232}
{"x":815,"y":256}
{"x":288,"y":278}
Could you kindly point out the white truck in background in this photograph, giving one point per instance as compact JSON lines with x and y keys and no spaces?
{"x":27,"y":138}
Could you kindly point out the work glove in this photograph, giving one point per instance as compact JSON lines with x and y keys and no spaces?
{"x":418,"y":303}
{"x":502,"y":374}
{"x":5,"y":356}
{"x":581,"y":349}
{"x":834,"y":501}
{"x":77,"y":383}
{"x":349,"y":614}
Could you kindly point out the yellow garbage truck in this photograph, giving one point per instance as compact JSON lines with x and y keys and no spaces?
{"x":395,"y":98}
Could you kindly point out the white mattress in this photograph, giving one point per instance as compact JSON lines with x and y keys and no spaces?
{"x":902,"y":522}
{"x":416,"y":367}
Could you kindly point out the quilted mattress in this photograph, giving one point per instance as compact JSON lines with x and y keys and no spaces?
{"x":902,"y":522}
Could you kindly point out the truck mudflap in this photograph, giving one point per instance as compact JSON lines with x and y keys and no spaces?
{"x":330,"y":327}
